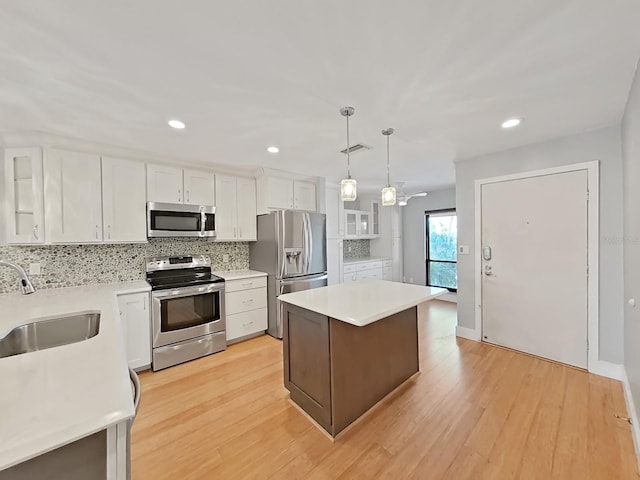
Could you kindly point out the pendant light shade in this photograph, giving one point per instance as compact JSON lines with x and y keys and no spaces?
{"x":348,"y":186}
{"x":388,"y":192}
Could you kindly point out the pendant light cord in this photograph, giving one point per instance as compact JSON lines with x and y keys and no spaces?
{"x":348,"y":150}
{"x":388,"y":181}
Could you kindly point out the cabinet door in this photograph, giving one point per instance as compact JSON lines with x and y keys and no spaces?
{"x":280,"y":193}
{"x":226,"y":211}
{"x":304,"y":194}
{"x":364,"y":223}
{"x":123,"y":200}
{"x":24,"y":190}
{"x":164,"y":184}
{"x":136,"y":328}
{"x":246,"y":206}
{"x":73,"y":197}
{"x":387,"y":273}
{"x":350,"y":223}
{"x":375,"y":218}
{"x":199,"y":187}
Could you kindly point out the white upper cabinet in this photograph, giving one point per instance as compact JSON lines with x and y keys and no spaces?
{"x":226,"y":211}
{"x":199,"y":187}
{"x":164,"y":184}
{"x":235,"y":208}
{"x":281,"y":193}
{"x":72,"y":197}
{"x":375,"y":218}
{"x":24,"y":195}
{"x":123,"y":200}
{"x":304,"y":195}
{"x":246,"y":202}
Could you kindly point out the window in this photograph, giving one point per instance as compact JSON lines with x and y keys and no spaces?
{"x":441,"y":249}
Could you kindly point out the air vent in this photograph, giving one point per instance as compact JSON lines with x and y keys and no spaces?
{"x":358,"y":147}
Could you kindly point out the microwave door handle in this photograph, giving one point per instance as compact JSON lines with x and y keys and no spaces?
{"x":203,"y":222}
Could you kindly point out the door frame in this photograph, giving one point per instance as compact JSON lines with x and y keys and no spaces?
{"x":593,"y":254}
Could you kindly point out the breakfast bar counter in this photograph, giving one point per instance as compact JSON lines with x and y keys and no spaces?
{"x":347,"y":346}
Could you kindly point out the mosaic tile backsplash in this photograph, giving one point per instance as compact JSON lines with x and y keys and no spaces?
{"x":71,"y":265}
{"x":359,"y":249}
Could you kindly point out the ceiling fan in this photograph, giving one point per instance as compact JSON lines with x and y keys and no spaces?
{"x":403,"y":198}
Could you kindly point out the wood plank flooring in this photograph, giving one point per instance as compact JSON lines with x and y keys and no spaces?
{"x":474,"y":412}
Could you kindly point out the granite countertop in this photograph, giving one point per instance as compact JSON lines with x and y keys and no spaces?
{"x":239,"y":274}
{"x":363,"y":302}
{"x":55,"y":396}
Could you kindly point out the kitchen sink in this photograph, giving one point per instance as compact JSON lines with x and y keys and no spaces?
{"x":54,"y":332}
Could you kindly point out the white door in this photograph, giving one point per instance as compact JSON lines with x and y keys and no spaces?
{"x":226,"y":212}
{"x":199,"y":187}
{"x":72,"y":197}
{"x":24,"y":190}
{"x":280,"y":192}
{"x":123,"y":200}
{"x":534,"y":267}
{"x":164,"y":184}
{"x":246,"y":206}
{"x":136,"y":328}
{"x":304,"y":194}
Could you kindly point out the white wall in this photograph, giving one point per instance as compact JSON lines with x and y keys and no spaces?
{"x":413,"y":231}
{"x":631,"y":237}
{"x":603,"y":145}
{"x":3,"y":202}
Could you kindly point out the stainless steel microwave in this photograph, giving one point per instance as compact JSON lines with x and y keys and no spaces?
{"x":179,"y":220}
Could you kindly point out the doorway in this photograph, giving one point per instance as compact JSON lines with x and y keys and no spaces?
{"x":533,"y":263}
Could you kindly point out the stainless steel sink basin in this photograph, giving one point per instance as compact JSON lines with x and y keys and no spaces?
{"x":43,"y":334}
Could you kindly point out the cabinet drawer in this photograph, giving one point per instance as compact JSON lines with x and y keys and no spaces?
{"x":387,"y":273}
{"x":369,"y":265}
{"x":246,"y":323}
{"x":245,"y":284}
{"x":370,"y":274}
{"x":387,"y":263}
{"x":246,"y":300}
{"x":350,"y":268}
{"x":350,"y":277}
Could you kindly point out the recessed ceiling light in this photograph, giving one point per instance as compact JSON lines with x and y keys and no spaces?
{"x":177,"y":124}
{"x":273,"y":149}
{"x":512,"y":122}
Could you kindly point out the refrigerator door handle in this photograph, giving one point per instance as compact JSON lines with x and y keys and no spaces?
{"x":308,"y":238}
{"x":307,"y":279}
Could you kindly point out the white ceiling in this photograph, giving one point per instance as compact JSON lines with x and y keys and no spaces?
{"x":247,"y":74}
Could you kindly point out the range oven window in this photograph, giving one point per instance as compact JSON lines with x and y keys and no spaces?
{"x":184,"y":312}
{"x":175,"y":221}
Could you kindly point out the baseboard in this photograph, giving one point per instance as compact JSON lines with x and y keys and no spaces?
{"x":468,"y":333}
{"x":607,"y":369}
{"x":631,"y":409}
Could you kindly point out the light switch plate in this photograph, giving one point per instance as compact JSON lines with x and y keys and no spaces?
{"x":463,"y":249}
{"x":35,"y":269}
{"x":225,"y":258}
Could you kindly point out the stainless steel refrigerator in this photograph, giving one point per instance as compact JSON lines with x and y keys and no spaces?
{"x":292,"y":249}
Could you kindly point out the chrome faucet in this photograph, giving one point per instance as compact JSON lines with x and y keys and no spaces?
{"x":25,"y":283}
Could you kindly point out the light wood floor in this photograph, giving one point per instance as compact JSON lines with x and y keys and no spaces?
{"x":474,"y":412}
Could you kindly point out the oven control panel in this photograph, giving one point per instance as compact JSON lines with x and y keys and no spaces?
{"x":170,"y":263}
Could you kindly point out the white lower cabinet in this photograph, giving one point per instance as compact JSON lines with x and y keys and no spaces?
{"x":135,"y":319}
{"x":246,"y":307}
{"x":367,"y":270}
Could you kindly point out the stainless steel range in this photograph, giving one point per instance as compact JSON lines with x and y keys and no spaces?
{"x":188,"y":310}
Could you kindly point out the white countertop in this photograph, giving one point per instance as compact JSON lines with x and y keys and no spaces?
{"x":239,"y":274}
{"x":365,"y":259}
{"x":55,"y":396}
{"x":363,"y":302}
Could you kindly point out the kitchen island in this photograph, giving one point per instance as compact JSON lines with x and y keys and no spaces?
{"x":347,"y":346}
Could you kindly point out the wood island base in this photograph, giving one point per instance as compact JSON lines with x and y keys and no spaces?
{"x":336,"y":371}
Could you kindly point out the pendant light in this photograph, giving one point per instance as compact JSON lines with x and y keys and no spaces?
{"x":348,"y":185}
{"x":388,"y":192}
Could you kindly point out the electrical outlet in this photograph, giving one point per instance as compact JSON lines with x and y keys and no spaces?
{"x":225,"y":258}
{"x":463,"y":249}
{"x":35,"y":269}
{"x":349,"y":248}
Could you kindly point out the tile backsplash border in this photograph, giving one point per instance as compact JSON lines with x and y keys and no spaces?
{"x":73,"y":265}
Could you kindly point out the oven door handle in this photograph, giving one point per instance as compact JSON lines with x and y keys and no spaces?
{"x":187,"y":292}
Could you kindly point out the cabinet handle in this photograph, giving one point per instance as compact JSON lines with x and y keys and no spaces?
{"x":250,"y":284}
{"x":97,"y":226}
{"x":234,"y":233}
{"x":187,"y":196}
{"x":179,"y":196}
{"x":249,"y":301}
{"x":109,"y":232}
{"x":246,"y":324}
{"x":240,"y":231}
{"x":35,"y":231}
